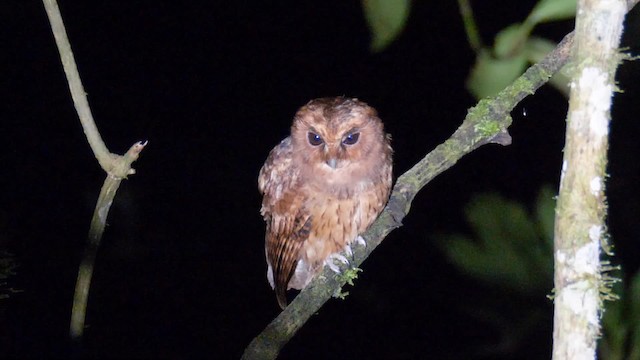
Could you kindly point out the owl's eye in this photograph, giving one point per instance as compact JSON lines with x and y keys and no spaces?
{"x":314,"y":139}
{"x":351,"y":139}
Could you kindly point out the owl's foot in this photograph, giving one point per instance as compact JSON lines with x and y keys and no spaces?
{"x":348,"y":251}
{"x":330,"y":262}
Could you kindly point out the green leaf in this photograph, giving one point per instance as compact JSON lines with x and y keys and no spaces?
{"x":508,"y":250}
{"x":468,"y":257}
{"x":615,"y":327}
{"x":513,"y":48}
{"x":386,"y":19}
{"x":510,"y":40}
{"x":490,"y":75}
{"x":552,"y":10}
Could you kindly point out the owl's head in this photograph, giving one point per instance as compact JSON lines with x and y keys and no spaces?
{"x":333,"y":134}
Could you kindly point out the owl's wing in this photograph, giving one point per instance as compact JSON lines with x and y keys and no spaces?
{"x":288,"y":221}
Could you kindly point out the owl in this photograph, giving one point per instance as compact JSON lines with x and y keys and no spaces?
{"x":322,"y":187}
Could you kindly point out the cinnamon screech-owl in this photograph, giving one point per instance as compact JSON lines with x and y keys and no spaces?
{"x":322,"y":187}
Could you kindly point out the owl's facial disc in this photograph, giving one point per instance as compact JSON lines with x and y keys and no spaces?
{"x":330,"y":155}
{"x":333,"y":154}
{"x":335,"y":148}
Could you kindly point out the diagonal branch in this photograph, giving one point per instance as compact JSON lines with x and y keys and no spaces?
{"x":485,"y":123}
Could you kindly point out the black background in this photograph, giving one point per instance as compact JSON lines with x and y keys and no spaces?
{"x":213,"y":87}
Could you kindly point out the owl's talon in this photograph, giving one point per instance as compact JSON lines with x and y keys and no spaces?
{"x":333,"y":267}
{"x":331,"y":263}
{"x":348,"y":251}
{"x":360,"y":240}
{"x":340,"y":258}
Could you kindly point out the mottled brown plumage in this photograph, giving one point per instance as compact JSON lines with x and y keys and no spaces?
{"x":322,"y":186}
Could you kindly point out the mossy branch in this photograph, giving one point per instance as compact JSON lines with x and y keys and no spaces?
{"x":116,"y":166}
{"x":485,"y":123}
{"x":580,"y":228}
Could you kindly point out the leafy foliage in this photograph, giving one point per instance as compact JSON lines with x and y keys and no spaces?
{"x":386,"y":19}
{"x":512,"y":249}
{"x":514,"y":49}
{"x":621,"y":323}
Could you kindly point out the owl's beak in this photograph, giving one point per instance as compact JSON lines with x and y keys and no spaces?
{"x":332,"y":162}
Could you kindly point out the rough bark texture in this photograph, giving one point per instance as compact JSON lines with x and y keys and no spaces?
{"x":581,"y":208}
{"x":486,"y":123}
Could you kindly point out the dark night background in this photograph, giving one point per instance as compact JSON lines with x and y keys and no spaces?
{"x":213,"y":87}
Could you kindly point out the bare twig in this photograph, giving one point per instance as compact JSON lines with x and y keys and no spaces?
{"x":75,"y":85}
{"x":117,"y":167}
{"x":98,"y":222}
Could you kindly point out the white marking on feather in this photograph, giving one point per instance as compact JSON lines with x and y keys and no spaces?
{"x":270,"y":276}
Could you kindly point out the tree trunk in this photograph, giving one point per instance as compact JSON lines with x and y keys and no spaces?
{"x":580,"y":229}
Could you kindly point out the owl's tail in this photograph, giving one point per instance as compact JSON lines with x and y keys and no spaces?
{"x":284,"y":269}
{"x":281,"y":295}
{"x":283,"y":253}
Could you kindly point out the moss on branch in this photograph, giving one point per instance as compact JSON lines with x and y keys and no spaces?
{"x":485,"y":123}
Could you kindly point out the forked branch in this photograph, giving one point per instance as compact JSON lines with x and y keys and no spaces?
{"x":116,"y":166}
